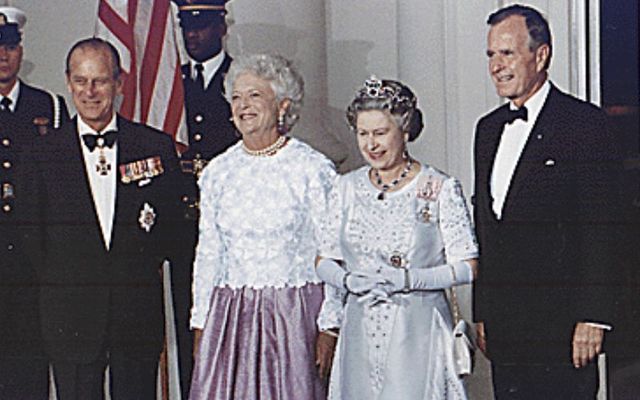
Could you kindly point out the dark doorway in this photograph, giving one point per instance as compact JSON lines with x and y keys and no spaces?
{"x":620,"y":94}
{"x":620,"y":72}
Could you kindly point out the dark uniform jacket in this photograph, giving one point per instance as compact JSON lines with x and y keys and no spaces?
{"x":92,"y":299}
{"x":18,"y":294}
{"x":210,"y":133}
{"x":546,"y":264}
{"x":208,"y":113}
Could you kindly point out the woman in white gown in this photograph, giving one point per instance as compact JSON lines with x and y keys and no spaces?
{"x":397,"y":235}
{"x":256,"y":296}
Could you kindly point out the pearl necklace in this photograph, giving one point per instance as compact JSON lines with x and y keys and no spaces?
{"x":269,"y":150}
{"x":384,"y":187}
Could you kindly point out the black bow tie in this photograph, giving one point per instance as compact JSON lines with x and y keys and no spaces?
{"x":512,"y":115}
{"x":105,"y":140}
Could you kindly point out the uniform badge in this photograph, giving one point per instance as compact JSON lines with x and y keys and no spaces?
{"x":147,"y":217}
{"x":141,"y":169}
{"x":7,"y":191}
{"x":42,"y":125}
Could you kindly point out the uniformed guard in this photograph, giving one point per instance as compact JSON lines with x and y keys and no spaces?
{"x":208,"y":113}
{"x":25,"y":113}
{"x":210,"y":133}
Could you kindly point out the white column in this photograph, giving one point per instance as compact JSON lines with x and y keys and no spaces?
{"x":294,"y":29}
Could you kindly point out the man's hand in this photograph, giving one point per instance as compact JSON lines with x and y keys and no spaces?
{"x":325,"y":346}
{"x":586,"y":343}
{"x":481,"y":339}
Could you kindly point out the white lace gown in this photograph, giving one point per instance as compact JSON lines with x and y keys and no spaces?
{"x":256,"y":294}
{"x":397,"y":350}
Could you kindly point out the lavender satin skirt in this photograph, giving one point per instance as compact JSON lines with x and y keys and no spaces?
{"x":259,"y":344}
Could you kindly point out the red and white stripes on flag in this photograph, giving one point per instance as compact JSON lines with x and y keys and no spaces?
{"x":144,"y":33}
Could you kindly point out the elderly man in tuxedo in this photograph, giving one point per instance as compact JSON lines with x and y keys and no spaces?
{"x":545,"y":180}
{"x":104,"y":194}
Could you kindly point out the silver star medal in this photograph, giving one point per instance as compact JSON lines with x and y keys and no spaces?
{"x":147,"y":217}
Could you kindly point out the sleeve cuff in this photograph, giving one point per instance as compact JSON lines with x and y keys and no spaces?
{"x":602,"y":326}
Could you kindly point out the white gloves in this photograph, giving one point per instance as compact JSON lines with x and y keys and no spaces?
{"x":357,"y":282}
{"x":378,"y":287}
{"x":440,"y":277}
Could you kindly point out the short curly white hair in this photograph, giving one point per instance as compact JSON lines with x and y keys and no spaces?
{"x":285,"y":80}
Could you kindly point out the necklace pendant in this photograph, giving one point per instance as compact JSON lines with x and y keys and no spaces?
{"x":381,"y":196}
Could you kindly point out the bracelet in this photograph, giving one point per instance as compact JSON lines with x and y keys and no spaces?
{"x":407,"y":281}
{"x":331,"y":332}
{"x":344,"y":282}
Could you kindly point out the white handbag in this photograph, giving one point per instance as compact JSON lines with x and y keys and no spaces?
{"x":463,"y":338}
{"x":463,"y":348}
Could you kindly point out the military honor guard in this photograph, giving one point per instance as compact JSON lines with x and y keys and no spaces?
{"x":26,"y":113}
{"x":104,"y":197}
{"x":210,"y":133}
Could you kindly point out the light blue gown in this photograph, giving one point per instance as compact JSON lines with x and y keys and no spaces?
{"x":399,"y":349}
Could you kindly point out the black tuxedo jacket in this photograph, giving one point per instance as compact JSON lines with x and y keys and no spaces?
{"x":18,"y":296}
{"x":93,"y":299}
{"x":547,"y":264}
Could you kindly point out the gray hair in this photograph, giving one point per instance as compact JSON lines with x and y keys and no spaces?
{"x":285,"y":80}
{"x":392,"y":96}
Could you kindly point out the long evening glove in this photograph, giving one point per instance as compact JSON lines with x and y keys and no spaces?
{"x":434,"y":278}
{"x":356,"y":282}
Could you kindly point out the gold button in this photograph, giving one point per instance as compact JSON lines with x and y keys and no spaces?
{"x":198,"y":118}
{"x":6,"y":208}
{"x":197,"y":137}
{"x":6,"y":142}
{"x":6,"y":164}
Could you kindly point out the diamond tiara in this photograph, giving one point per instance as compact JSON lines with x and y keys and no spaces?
{"x":373,"y":88}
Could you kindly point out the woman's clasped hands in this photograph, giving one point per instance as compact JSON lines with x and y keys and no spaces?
{"x":376,"y":287}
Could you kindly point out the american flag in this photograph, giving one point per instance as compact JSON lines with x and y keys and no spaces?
{"x":144,"y":33}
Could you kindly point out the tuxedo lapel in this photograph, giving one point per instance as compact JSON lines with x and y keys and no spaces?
{"x":490,"y":142}
{"x":81,"y":187}
{"x":126,"y":207}
{"x":124,"y":147}
{"x":534,"y":150}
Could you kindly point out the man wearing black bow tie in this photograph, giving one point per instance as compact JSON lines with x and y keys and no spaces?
{"x":545,"y":181}
{"x":104,"y":191}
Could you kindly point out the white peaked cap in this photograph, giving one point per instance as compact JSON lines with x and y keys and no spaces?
{"x":14,"y":15}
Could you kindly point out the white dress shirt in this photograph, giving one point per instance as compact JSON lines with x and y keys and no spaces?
{"x":512,"y":142}
{"x":210,"y":67}
{"x":103,"y":187}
